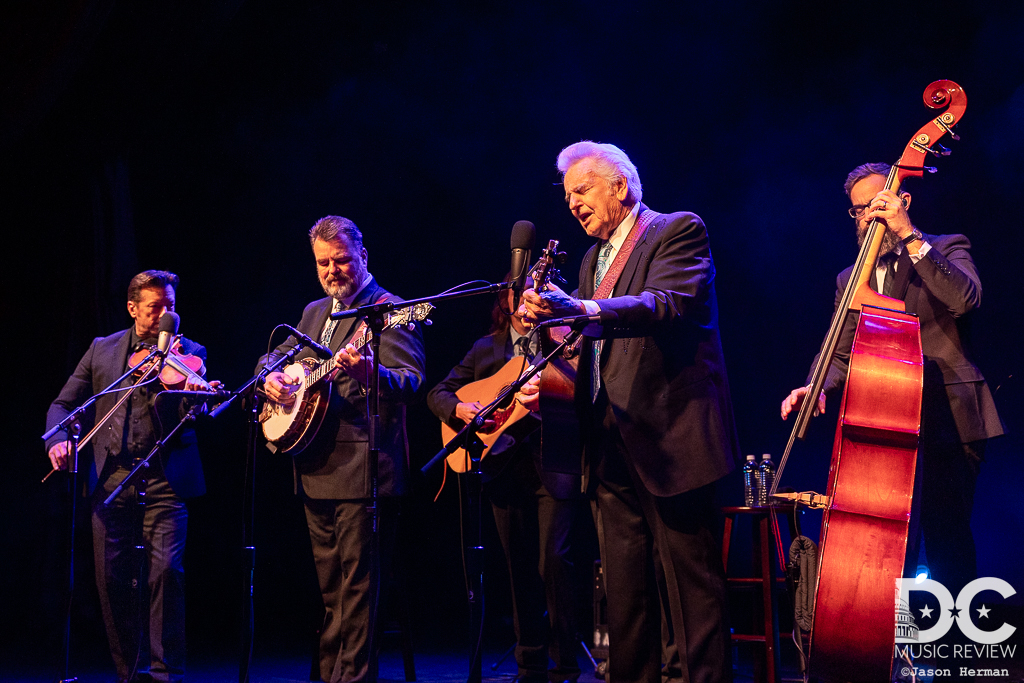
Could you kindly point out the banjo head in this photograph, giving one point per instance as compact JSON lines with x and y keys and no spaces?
{"x":278,"y":419}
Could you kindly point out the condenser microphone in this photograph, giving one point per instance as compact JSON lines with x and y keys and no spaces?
{"x":523,"y":237}
{"x":169,"y":323}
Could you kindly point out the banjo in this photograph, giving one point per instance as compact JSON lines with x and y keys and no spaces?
{"x":291,"y":428}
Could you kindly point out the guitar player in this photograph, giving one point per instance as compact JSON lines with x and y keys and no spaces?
{"x":332,"y":473}
{"x":534,"y":511}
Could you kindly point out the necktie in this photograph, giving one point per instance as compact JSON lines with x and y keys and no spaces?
{"x":325,"y":336}
{"x":521,"y":347}
{"x":890,"y":273}
{"x":603,"y":258}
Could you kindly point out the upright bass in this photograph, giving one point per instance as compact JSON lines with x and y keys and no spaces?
{"x":870,"y":484}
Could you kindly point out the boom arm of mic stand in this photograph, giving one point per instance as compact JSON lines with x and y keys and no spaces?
{"x":474,"y":425}
{"x":255,"y":379}
{"x":397,"y":305}
{"x":62,"y":425}
{"x":75,"y":417}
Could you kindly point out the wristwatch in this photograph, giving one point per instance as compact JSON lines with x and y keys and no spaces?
{"x":912,"y":237}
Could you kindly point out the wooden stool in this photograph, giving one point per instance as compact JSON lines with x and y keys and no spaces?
{"x":764,"y":540}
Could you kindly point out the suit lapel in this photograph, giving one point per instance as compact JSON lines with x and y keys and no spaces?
{"x":498,"y":349}
{"x":589,"y":265}
{"x":120,"y":355}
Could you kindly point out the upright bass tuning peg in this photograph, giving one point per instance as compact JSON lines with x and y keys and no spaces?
{"x":946,"y":125}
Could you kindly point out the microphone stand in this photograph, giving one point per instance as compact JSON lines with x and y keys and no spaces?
{"x":375,"y":315}
{"x":249,"y":505}
{"x":73,"y":425}
{"x":136,"y":477}
{"x":469,"y":439}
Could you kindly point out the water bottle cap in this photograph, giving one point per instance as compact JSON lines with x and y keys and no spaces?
{"x":766,"y":456}
{"x":751,"y":457}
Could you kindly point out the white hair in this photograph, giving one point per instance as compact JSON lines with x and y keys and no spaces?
{"x":613,"y":164}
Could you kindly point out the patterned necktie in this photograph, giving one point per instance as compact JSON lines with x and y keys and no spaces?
{"x":325,"y":336}
{"x":603,"y":259}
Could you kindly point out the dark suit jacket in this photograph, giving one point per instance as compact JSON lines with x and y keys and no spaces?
{"x":102,"y":364}
{"x":663,"y":369}
{"x":942,"y":289}
{"x":488,"y":355}
{"x":336,"y":465}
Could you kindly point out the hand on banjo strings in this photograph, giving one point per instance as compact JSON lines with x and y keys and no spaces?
{"x":354,"y":363}
{"x":281,"y":388}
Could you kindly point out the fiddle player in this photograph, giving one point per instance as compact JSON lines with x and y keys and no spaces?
{"x":655,"y":403}
{"x":332,"y":473}
{"x":172,"y":477}
{"x":533,"y":509}
{"x":937,"y":279}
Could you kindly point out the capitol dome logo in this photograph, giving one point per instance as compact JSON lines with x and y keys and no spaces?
{"x":906,"y":627}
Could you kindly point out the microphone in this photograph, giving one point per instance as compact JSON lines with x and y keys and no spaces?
{"x":212,"y":395}
{"x":523,"y":237}
{"x":578,"y":322}
{"x":169,"y":323}
{"x":317,"y":348}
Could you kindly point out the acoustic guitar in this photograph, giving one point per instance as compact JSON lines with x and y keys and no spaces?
{"x":507,"y":416}
{"x":555,"y":388}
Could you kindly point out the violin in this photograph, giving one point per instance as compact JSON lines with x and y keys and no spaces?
{"x":178,"y":369}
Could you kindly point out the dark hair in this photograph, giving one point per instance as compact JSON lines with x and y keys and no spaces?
{"x":331,"y":228}
{"x":156,"y":279}
{"x":501,"y":317}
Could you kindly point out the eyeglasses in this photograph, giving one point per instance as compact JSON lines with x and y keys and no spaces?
{"x":857,"y":210}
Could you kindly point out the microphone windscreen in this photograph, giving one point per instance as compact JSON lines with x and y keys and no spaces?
{"x":169,"y":322}
{"x":523,"y":235}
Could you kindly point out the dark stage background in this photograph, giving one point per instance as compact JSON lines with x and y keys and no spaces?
{"x":207,"y":137}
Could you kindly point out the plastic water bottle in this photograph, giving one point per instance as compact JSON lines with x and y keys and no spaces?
{"x":751,"y":490}
{"x":766,"y":476}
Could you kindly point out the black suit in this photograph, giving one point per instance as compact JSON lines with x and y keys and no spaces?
{"x":958,"y":414}
{"x":176,"y":474}
{"x":332,"y":475}
{"x":534,"y":511}
{"x":662,"y":434}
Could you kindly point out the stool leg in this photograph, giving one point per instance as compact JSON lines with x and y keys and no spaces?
{"x":769,"y":595}
{"x":726,"y":538}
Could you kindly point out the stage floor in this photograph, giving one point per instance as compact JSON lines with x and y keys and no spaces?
{"x":432,"y":666}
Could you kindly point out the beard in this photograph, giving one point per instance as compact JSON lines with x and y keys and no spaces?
{"x":889,"y":239}
{"x":340,"y":289}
